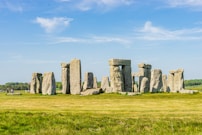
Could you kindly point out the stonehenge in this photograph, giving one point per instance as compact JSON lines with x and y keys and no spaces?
{"x":144,"y":72}
{"x":36,"y":83}
{"x":65,"y":78}
{"x":75,"y":77}
{"x":120,"y":75}
{"x":48,"y":84}
{"x":156,"y":83}
{"x":121,"y":80}
{"x":89,"y":81}
{"x":105,"y":83}
{"x":176,"y":80}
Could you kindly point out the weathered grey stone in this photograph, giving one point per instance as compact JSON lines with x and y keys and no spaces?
{"x":116,"y":79}
{"x":109,"y":90}
{"x":118,"y":62}
{"x":156,"y":81}
{"x":127,"y":78}
{"x":164,"y":81}
{"x":135,"y":88}
{"x":105,"y":83}
{"x":75,"y":76}
{"x":95,"y":82}
{"x":176,"y":80}
{"x":48,"y":84}
{"x":129,"y":93}
{"x":144,"y":71}
{"x":65,"y":78}
{"x":179,"y":80}
{"x":120,"y":75}
{"x":144,"y":88}
{"x":170,"y":82}
{"x":188,"y":91}
{"x":88,"y":81}
{"x":36,"y":83}
{"x":91,"y":92}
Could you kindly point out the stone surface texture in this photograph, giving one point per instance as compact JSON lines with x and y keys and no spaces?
{"x":105,"y":83}
{"x":65,"y":78}
{"x":156,"y":83}
{"x":144,"y":71}
{"x":144,"y":88}
{"x":48,"y":84}
{"x":75,"y":76}
{"x":120,"y":75}
{"x":176,"y":80}
{"x":36,"y":83}
{"x":88,"y":81}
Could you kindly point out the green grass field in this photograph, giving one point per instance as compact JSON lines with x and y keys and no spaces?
{"x":104,"y":114}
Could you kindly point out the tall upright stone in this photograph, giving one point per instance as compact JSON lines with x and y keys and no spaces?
{"x":127,"y":78}
{"x":48,"y":84}
{"x":176,"y":80}
{"x":95,"y":83}
{"x":65,"y":78}
{"x":179,"y":80}
{"x":36,"y":83}
{"x":170,"y":81}
{"x":156,"y":81}
{"x":116,"y":79}
{"x":120,"y":75}
{"x":164,"y":81}
{"x":88,"y":81}
{"x":144,"y":71}
{"x":144,"y":88}
{"x":75,"y":76}
{"x":105,"y":83}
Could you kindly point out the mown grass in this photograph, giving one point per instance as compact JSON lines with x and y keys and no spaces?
{"x":101,"y":114}
{"x":195,"y":87}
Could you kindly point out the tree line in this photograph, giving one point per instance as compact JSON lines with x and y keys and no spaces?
{"x":26,"y":86}
{"x":23,"y":86}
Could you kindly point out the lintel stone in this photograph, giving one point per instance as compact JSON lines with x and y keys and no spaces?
{"x":119,"y":62}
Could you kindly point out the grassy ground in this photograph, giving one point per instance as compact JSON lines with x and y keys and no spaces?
{"x":101,"y":114}
{"x":195,"y":87}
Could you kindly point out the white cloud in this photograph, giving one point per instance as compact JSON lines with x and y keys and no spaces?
{"x":90,"y":40}
{"x":53,"y":24}
{"x":185,"y":3}
{"x":85,"y":5}
{"x":14,"y":6}
{"x":150,"y":32}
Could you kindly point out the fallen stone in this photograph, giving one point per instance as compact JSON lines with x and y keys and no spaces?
{"x":129,"y":93}
{"x":91,"y":92}
{"x":188,"y":91}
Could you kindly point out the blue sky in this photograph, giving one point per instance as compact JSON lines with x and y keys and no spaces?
{"x":37,"y":35}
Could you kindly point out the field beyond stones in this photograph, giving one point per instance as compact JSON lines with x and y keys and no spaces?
{"x":112,"y":114}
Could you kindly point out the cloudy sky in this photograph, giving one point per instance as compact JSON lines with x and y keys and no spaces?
{"x":37,"y":35}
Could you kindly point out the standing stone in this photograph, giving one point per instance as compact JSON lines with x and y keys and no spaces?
{"x":65,"y":78}
{"x":36,"y":83}
{"x":116,"y":79}
{"x":179,"y":80}
{"x":164,"y":81}
{"x":144,"y":71}
{"x":144,"y":85}
{"x":120,"y":75}
{"x":171,"y":81}
{"x":75,"y":77}
{"x":105,"y":83}
{"x":88,"y":82}
{"x":48,"y":84}
{"x":176,"y":80}
{"x":156,"y":81}
{"x":135,"y":88}
{"x":95,"y":82}
{"x":127,"y":78}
